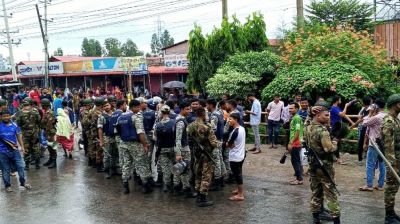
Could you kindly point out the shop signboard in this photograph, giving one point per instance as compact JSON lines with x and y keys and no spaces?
{"x":136,"y":63}
{"x":105,"y":64}
{"x":176,"y":61}
{"x":73,"y":66}
{"x":38,"y":69}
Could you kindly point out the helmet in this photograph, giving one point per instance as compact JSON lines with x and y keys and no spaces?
{"x":45,"y":102}
{"x":111,"y":99}
{"x":165,"y":109}
{"x":99,"y":101}
{"x":179,"y":168}
{"x":26,"y":102}
{"x":393,"y":99}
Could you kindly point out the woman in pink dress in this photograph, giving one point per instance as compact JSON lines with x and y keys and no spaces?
{"x":64,"y":134}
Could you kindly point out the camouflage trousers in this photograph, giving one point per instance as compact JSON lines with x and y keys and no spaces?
{"x":391,"y":189}
{"x":219,"y":166}
{"x":31,"y":146}
{"x":322,"y":189}
{"x":134,"y":158}
{"x":185,"y":176}
{"x":203,"y":169}
{"x":118,"y":141}
{"x":110,"y":152}
{"x":225,"y":156}
{"x":91,"y":146}
{"x":166,"y":161}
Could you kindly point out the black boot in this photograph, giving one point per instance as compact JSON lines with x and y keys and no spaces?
{"x":203,"y":202}
{"x":108,"y":173}
{"x":325,"y":214}
{"x":166,"y":188}
{"x":90,"y":162}
{"x":336,"y":220}
{"x":189,"y":193}
{"x":146,"y":188}
{"x":48,"y":162}
{"x":53,"y":164}
{"x":316,"y":219}
{"x":100,"y":167}
{"x":391,"y":218}
{"x":126,"y":187}
{"x":26,"y":166}
{"x":177,"y":190}
{"x":216,"y":186}
{"x":37,"y":164}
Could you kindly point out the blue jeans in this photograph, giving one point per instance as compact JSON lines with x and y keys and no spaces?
{"x":273,"y":131}
{"x":296,"y":163}
{"x":372,"y":159}
{"x":12,"y":158}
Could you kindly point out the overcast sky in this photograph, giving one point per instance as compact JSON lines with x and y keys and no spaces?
{"x":75,"y":19}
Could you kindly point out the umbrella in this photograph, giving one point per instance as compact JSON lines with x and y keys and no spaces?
{"x":174,"y":84}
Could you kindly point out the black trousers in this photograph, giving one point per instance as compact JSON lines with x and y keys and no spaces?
{"x":236,"y":168}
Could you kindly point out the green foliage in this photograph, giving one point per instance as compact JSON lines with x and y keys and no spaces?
{"x":320,"y":44}
{"x":231,"y":81}
{"x":112,"y":47}
{"x":129,"y":49}
{"x":320,"y":80}
{"x":342,"y":12}
{"x":91,"y":48}
{"x":159,"y":42}
{"x":58,"y":52}
{"x":199,"y":69}
{"x":215,"y":48}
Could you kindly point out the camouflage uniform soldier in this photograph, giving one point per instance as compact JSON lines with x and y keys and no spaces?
{"x":164,"y":136}
{"x":391,"y":141}
{"x":318,"y":139}
{"x":202,"y":133}
{"x":107,"y":139}
{"x":48,"y":124}
{"x":96,"y":152}
{"x":28,"y":120}
{"x":84,"y":116}
{"x":217,"y":123}
{"x":134,"y":147}
{"x":182,"y":150}
{"x":86,"y":127}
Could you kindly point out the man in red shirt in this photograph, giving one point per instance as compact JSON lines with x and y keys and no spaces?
{"x":35,"y":95}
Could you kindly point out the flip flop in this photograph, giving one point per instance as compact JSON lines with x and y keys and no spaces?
{"x":236,"y":198}
{"x":252,"y":149}
{"x":378,"y":188}
{"x":366,"y":188}
{"x":235,"y":192}
{"x":257,"y":152}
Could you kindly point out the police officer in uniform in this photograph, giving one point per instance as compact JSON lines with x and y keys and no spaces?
{"x":149,"y":118}
{"x":391,"y":142}
{"x":217,"y":122}
{"x":164,"y":136}
{"x":107,"y":139}
{"x":120,"y":108}
{"x":28,"y":120}
{"x":202,"y":132}
{"x":48,"y":124}
{"x":134,"y":147}
{"x":318,"y":139}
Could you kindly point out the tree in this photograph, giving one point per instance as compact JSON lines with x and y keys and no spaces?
{"x":158,"y":43}
{"x":58,"y":52}
{"x":341,"y":12}
{"x":129,"y":49}
{"x":91,"y":48}
{"x":255,"y":30}
{"x":112,"y":47}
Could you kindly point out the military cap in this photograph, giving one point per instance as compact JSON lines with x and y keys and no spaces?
{"x":85,"y":102}
{"x":26,"y":101}
{"x":325,"y":105}
{"x":45,"y":102}
{"x":165,"y":108}
{"x":393,"y":99}
{"x":111,"y":99}
{"x":134,"y":103}
{"x":91,"y":102}
{"x":3,"y":102}
{"x":99,"y":101}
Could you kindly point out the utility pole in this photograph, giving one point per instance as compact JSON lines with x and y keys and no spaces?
{"x":13,"y":71}
{"x":224,"y":9}
{"x":45,"y":42}
{"x":300,"y":14}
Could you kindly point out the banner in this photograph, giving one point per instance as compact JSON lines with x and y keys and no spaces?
{"x":105,"y":64}
{"x":4,"y":65}
{"x":137,"y":64}
{"x":176,"y":61}
{"x":38,"y":69}
{"x":73,"y":66}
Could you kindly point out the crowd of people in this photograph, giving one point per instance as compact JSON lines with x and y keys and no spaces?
{"x":189,"y":146}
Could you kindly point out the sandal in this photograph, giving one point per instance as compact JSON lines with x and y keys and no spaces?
{"x":257,"y":151}
{"x":236,"y":198}
{"x":378,"y":188}
{"x":296,"y":182}
{"x":27,"y":186}
{"x":235,"y":192}
{"x":252,"y":149}
{"x":8,"y":189}
{"x":366,"y":188}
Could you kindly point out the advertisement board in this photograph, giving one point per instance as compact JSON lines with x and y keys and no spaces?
{"x":38,"y":69}
{"x":176,"y":61}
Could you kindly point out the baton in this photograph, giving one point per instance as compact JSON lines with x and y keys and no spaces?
{"x":384,"y":159}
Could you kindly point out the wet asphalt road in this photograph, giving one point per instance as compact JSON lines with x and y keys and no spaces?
{"x":75,"y":193}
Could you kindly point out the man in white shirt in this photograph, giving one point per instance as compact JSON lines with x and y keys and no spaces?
{"x":274,"y":111}
{"x":255,"y":119}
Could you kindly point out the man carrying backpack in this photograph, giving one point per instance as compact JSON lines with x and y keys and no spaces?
{"x":165,"y":142}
